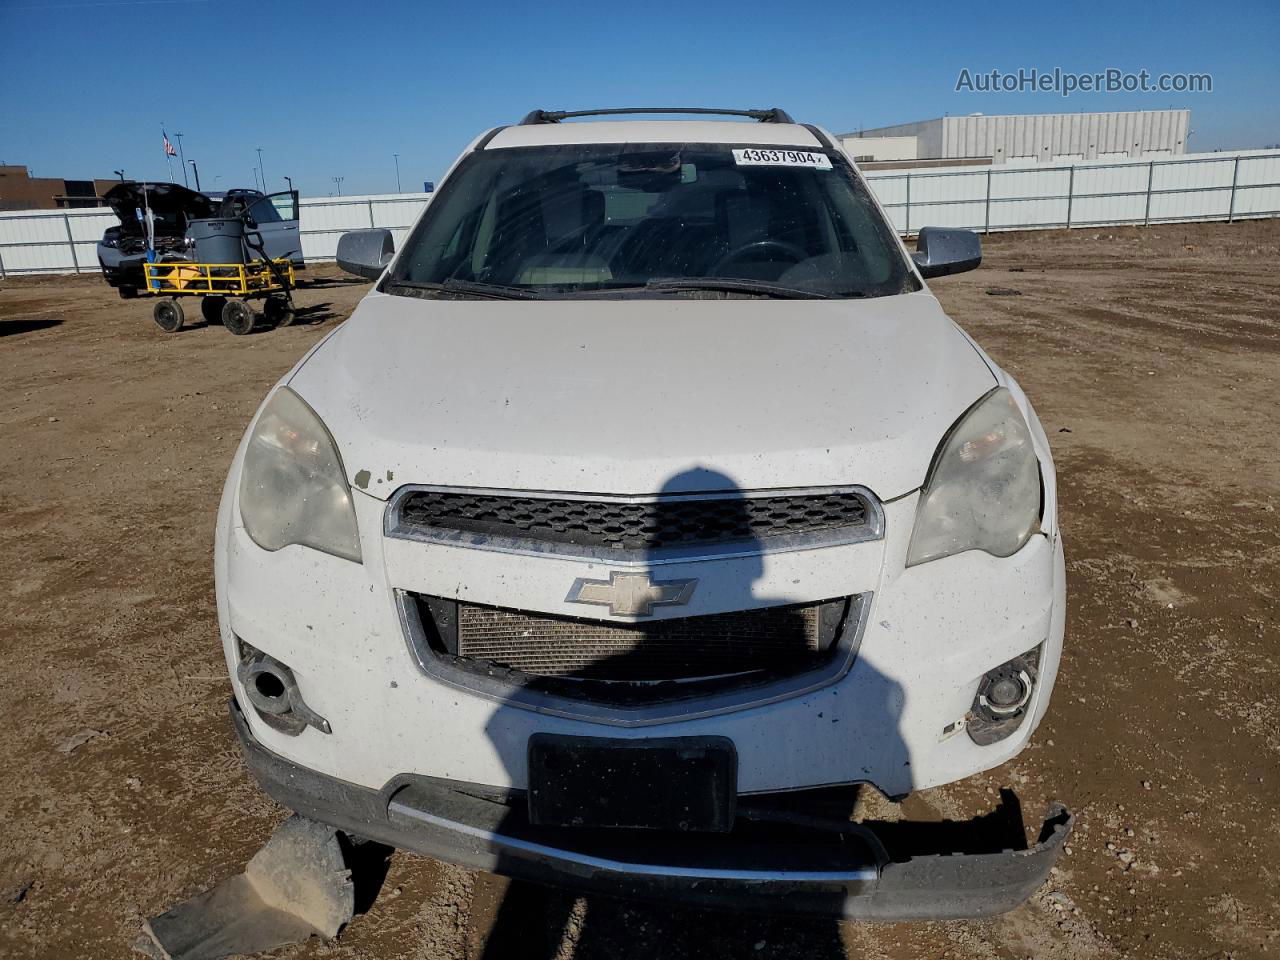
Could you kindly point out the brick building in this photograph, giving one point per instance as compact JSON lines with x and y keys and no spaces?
{"x":21,"y":191}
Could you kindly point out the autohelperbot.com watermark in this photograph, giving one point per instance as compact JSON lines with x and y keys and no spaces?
{"x":1066,"y":82}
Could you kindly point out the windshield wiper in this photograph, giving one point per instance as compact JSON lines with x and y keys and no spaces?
{"x":736,"y":285}
{"x":493,"y":291}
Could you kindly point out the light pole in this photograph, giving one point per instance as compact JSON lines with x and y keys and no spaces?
{"x":120,"y":174}
{"x":262,"y":170}
{"x":196,"y":171}
{"x":338,"y":181}
{"x":256,"y":184}
{"x":289,"y":180}
{"x":182,"y":161}
{"x":397,"y":156}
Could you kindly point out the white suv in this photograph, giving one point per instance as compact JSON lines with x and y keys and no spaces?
{"x":649,"y":491}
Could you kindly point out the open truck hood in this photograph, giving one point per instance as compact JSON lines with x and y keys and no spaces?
{"x":620,"y":396}
{"x":173,"y":206}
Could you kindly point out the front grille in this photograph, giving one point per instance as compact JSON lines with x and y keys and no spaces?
{"x":628,"y":525}
{"x":771,"y":639}
{"x":526,"y":656}
{"x":666,"y":650}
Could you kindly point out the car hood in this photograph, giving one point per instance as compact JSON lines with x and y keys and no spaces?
{"x":622,"y":396}
{"x":166,"y":200}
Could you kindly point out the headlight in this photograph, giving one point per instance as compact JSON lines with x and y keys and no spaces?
{"x":983,"y":492}
{"x":292,"y":487}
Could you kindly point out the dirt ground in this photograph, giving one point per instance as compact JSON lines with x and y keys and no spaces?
{"x":1152,"y":356}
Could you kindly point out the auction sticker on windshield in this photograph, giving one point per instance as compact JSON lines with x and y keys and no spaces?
{"x":757,"y":157}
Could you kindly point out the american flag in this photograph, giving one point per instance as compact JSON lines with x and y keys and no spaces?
{"x":168,"y":147}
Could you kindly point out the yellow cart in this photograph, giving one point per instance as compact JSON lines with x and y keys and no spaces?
{"x":225,"y":289}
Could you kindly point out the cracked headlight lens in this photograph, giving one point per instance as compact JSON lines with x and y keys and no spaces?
{"x":293,"y":488}
{"x":983,"y":492}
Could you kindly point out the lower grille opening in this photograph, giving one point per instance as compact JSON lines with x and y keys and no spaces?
{"x":633,"y":662}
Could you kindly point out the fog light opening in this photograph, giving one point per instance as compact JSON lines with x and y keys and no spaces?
{"x":1001,"y":703}
{"x":272,"y":690}
{"x":269,"y":686}
{"x":1004,"y":691}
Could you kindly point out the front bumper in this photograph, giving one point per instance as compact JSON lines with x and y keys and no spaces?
{"x":932,"y":632}
{"x":771,"y":863}
{"x":120,"y":269}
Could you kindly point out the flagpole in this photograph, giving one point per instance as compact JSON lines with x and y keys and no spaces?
{"x":168,"y":157}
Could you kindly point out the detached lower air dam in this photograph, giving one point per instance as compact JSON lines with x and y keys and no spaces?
{"x":1004,"y":695}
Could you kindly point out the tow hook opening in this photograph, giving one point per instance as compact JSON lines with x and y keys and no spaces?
{"x":272,"y":690}
{"x":1003,"y":699}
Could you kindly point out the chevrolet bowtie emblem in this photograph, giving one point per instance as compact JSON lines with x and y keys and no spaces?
{"x":631,"y":594}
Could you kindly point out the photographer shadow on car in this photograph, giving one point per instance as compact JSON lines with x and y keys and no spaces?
{"x":774,"y":646}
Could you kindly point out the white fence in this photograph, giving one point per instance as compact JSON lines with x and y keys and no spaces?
{"x":1214,"y":186}
{"x":65,"y":241}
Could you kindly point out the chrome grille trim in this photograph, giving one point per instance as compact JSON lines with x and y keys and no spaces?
{"x":871,"y":529}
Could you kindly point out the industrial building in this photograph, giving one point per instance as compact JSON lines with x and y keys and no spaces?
{"x":1025,"y":138}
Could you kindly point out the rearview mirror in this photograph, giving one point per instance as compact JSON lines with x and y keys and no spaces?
{"x":940,"y":252}
{"x":366,"y":253}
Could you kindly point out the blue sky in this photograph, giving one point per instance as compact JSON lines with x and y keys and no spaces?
{"x":335,"y":89}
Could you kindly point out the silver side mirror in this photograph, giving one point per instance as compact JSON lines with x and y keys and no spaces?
{"x":940,"y":252}
{"x":366,"y":253}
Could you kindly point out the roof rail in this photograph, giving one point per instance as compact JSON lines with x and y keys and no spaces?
{"x":772,"y":115}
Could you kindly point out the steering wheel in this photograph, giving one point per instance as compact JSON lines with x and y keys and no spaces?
{"x":790,"y":249}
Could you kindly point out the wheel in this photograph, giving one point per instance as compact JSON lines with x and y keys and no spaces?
{"x":237,"y":316}
{"x":278,"y":311}
{"x":168,"y":315}
{"x":211,"y":308}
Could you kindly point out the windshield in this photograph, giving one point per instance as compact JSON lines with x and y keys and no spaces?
{"x":605,"y":219}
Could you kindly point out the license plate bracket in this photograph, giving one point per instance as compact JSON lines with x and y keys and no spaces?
{"x":665,"y":783}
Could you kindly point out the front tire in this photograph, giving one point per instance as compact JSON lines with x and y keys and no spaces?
{"x":168,"y":315}
{"x":237,"y":316}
